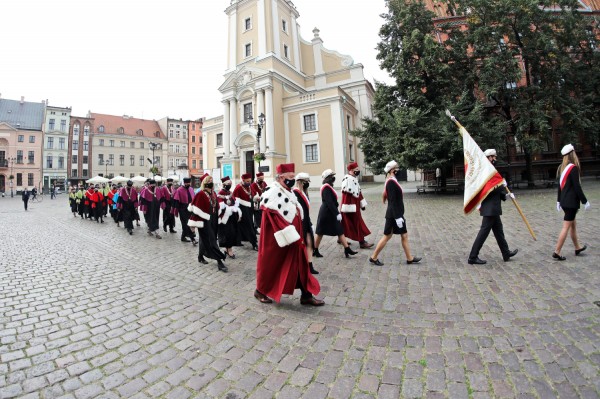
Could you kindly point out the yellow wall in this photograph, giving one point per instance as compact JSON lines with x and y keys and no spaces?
{"x":337,"y":77}
{"x":251,"y":35}
{"x":331,"y":62}
{"x":308,"y":59}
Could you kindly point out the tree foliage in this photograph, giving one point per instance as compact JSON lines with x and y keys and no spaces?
{"x":520,"y":66}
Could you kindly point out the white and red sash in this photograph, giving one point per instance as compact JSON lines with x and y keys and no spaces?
{"x":332,"y":189}
{"x":565,"y":173}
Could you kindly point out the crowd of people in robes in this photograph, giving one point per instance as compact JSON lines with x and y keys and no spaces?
{"x":279,"y":214}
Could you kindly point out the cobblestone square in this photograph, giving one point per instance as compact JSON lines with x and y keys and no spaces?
{"x":87,"y":311}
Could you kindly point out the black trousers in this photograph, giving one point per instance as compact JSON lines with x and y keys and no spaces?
{"x":184,"y":217}
{"x":493,"y":223}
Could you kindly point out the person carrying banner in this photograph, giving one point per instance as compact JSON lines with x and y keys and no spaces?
{"x":490,"y":210}
{"x":570,"y":195}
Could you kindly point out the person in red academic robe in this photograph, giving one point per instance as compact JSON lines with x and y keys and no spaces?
{"x":204,"y":209}
{"x":152,"y":202}
{"x":184,"y":196}
{"x":127,"y":205}
{"x":96,"y":200}
{"x":282,"y":264}
{"x":243,"y":196}
{"x":87,"y":202}
{"x":352,"y":204}
{"x":257,"y":188}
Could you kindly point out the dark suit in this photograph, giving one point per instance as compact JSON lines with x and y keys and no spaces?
{"x":327,"y":223}
{"x":571,"y":195}
{"x":491,"y":209}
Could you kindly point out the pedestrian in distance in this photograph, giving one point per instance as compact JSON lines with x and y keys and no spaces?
{"x":73,"y":201}
{"x":127,"y":204}
{"x":184,"y":195}
{"x":570,"y":196}
{"x":282,"y":264}
{"x":229,"y":217}
{"x":490,"y":211}
{"x":168,"y":218}
{"x":243,"y":196}
{"x":329,"y":220}
{"x":25,"y":197}
{"x":152,"y":201}
{"x":395,"y":221}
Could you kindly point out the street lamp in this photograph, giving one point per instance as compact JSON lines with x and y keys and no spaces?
{"x":154,"y":146}
{"x":105,"y":162}
{"x":12,"y":176}
{"x":259,"y":126}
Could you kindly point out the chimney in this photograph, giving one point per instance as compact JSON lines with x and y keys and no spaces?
{"x":22,"y":99}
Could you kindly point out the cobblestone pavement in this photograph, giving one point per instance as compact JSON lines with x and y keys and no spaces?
{"x":89,"y":311}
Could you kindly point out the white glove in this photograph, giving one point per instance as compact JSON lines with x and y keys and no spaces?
{"x":558,"y":206}
{"x":339,"y":217}
{"x":587,"y":205}
{"x":400,"y":222}
{"x":511,"y":195}
{"x":504,"y":183}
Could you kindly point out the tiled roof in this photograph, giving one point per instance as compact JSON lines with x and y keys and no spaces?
{"x":130,"y":125}
{"x":25,"y":116}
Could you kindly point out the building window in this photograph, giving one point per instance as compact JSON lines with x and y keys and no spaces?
{"x":141,"y":145}
{"x":177,"y":149}
{"x":111,"y":143}
{"x":121,"y":130}
{"x":50,"y":143}
{"x":171,"y":133}
{"x":172,"y":162}
{"x":247,"y":112}
{"x":122,"y":144}
{"x":85,"y":145}
{"x":101,"y":129}
{"x":131,"y":175}
{"x":140,"y":132}
{"x":220,"y":140}
{"x":51,"y":124}
{"x":75,"y":144}
{"x":132,"y":144}
{"x":177,"y":134}
{"x":61,"y":143}
{"x":19,"y":179}
{"x":84,"y":160}
{"x":284,"y":25}
{"x":30,"y":179}
{"x":193,"y":164}
{"x":111,"y":159}
{"x":193,"y":139}
{"x":286,"y":51}
{"x":63,"y":125}
{"x":193,"y":126}
{"x":84,"y":173}
{"x":73,"y":172}
{"x":248,"y":23}
{"x":19,"y":156}
{"x":310,"y":123}
{"x":511,"y":85}
{"x":100,"y":159}
{"x":248,"y":50}
{"x":32,"y":139}
{"x":185,"y":134}
{"x":351,"y":152}
{"x":122,"y":160}
{"x":193,"y":150}
{"x":76,"y":129}
{"x":21,"y":138}
{"x":74,"y":159}
{"x":311,"y":153}
{"x":30,"y":157}
{"x":101,"y":142}
{"x":132,"y":160}
{"x":49,"y":161}
{"x":156,"y":134}
{"x":61,"y":162}
{"x":86,"y":130}
{"x":141,"y":160}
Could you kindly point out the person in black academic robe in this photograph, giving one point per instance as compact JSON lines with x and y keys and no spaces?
{"x":243,"y":196}
{"x":127,"y":204}
{"x":184,"y":196}
{"x":152,"y":201}
{"x":229,"y":216}
{"x":301,"y":192}
{"x":168,"y":217}
{"x":329,"y":221}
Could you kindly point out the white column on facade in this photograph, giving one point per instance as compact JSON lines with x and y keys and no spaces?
{"x":276,"y":22}
{"x":262,"y":28}
{"x":339,"y":142}
{"x":295,"y":41}
{"x":232,"y":39}
{"x":269,"y":116}
{"x":233,"y":127}
{"x":226,"y":112}
{"x":260,"y":109}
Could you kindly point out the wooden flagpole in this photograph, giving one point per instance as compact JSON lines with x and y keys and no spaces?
{"x":507,"y":190}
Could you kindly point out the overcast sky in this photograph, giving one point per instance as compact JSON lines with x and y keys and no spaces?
{"x":151,"y":58}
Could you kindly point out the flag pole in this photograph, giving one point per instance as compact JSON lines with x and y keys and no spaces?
{"x":507,"y":190}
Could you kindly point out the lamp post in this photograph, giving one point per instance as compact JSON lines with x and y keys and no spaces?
{"x":105,"y":162}
{"x":259,"y":126}
{"x":153,"y":146}
{"x":12,"y":176}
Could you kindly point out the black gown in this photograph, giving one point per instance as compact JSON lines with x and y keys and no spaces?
{"x":209,"y":247}
{"x":327,"y":223}
{"x":306,"y":222}
{"x":228,"y":232}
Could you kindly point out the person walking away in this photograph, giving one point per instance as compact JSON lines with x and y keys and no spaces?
{"x":301,"y":192}
{"x":570,"y":196}
{"x":243,"y":196}
{"x":395,"y":221}
{"x":152,"y":201}
{"x":89,"y":212}
{"x":282,"y":264}
{"x":204,"y":206}
{"x":168,"y":218}
{"x":257,"y":188}
{"x":25,"y":197}
{"x":329,"y":220}
{"x":490,"y":210}
{"x":229,"y":217}
{"x":352,"y":204}
{"x":184,"y":196}
{"x":127,"y":204}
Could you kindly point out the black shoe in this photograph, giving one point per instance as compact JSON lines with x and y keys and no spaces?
{"x":255,"y":247}
{"x":376,"y":262}
{"x":312,"y":301}
{"x":316,"y":253}
{"x":222,"y":266}
{"x":558,"y":257}
{"x":202,"y":260}
{"x":348,"y":251}
{"x":312,"y":269}
{"x":580,"y":250}
{"x":165,"y":229}
{"x":477,"y":261}
{"x":415,"y":259}
{"x":194,"y":242}
{"x":183,"y":239}
{"x":130,"y":232}
{"x":172,"y":231}
{"x":510,"y":255}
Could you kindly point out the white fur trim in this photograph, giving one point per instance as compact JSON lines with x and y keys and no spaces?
{"x":196,"y":223}
{"x":200,"y":212}
{"x":256,"y":198}
{"x":350,"y":186}
{"x":363,"y":203}
{"x":242,"y":202}
{"x":348,"y":208}
{"x":280,"y":238}
{"x":283,"y":201}
{"x":290,"y":234}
